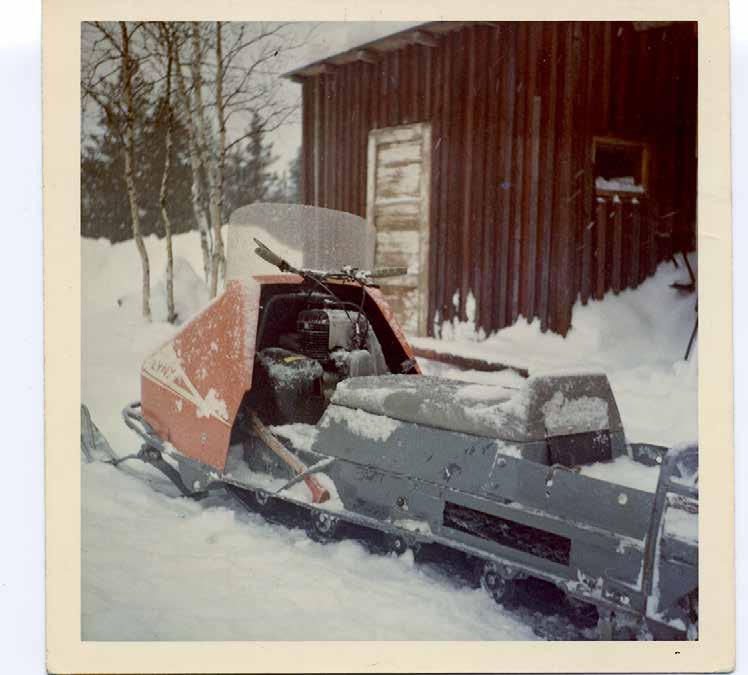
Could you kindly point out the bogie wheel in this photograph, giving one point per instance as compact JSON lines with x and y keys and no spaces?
{"x":261,"y":498}
{"x":498,"y":587}
{"x":398,"y":545}
{"x":584,"y":612}
{"x":324,"y":525}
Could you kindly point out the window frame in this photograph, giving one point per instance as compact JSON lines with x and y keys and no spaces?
{"x":608,"y":140}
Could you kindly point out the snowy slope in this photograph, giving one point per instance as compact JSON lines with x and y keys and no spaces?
{"x":157,"y":566}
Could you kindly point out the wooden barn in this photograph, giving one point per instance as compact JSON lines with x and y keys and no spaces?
{"x":513,"y":167}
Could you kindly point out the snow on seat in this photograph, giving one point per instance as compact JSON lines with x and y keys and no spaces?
{"x":546,"y":405}
{"x":492,"y":411}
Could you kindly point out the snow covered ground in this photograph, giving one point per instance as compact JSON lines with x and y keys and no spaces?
{"x":160,"y":567}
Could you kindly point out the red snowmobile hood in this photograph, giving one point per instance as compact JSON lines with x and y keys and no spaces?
{"x":192,"y":387}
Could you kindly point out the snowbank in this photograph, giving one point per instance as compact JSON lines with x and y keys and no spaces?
{"x":648,"y":325}
{"x":111,"y":272}
{"x":189,"y":295}
{"x":638,"y":338}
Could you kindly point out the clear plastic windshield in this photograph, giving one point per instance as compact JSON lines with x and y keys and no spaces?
{"x":308,"y":237}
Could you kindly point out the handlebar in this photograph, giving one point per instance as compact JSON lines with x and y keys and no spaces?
{"x":348,"y":273}
{"x":268,"y":256}
{"x":381,"y":272}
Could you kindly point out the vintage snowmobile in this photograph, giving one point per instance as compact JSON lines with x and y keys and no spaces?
{"x":301,"y":387}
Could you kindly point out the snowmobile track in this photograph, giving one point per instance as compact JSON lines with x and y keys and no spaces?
{"x":533,"y":601}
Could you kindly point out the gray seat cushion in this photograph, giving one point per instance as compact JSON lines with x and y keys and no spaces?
{"x":556,"y":404}
{"x":483,"y":410}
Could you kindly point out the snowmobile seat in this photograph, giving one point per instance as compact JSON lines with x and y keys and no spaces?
{"x":475,"y":409}
{"x":544,"y":408}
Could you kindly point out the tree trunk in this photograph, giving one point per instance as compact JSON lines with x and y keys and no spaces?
{"x":201,"y":217}
{"x":129,"y":151}
{"x":171,"y":314}
{"x":208,"y":160}
{"x":221,"y":131}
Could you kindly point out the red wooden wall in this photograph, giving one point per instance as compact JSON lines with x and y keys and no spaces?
{"x":513,"y":108}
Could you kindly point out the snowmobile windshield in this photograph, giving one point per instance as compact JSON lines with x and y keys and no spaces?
{"x":308,"y":237}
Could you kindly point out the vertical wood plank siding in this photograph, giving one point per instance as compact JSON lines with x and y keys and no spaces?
{"x":491,"y":183}
{"x":506,"y":137}
{"x":513,"y":108}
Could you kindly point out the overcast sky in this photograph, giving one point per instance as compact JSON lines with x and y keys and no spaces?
{"x":328,"y":38}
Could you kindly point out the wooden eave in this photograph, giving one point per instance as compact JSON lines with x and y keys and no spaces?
{"x":422,"y":34}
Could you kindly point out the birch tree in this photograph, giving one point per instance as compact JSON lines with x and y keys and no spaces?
{"x":127,"y":73}
{"x":234,"y":69}
{"x":221,"y":166}
{"x":108,"y":78}
{"x":167,"y":38}
{"x":208,"y":158}
{"x":246,"y":73}
{"x":198,"y":208}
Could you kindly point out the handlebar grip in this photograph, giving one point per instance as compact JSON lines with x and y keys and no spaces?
{"x":268,"y":256}
{"x":381,"y":272}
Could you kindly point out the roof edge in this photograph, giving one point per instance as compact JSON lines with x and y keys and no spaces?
{"x":422,"y":33}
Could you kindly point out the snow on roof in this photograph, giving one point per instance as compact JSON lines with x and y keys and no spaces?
{"x":420,"y":33}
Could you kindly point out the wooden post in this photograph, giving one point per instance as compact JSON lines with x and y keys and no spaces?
{"x":393,"y":99}
{"x":443,"y":140}
{"x":479,"y":141}
{"x":617,"y":243}
{"x":563,"y":279}
{"x":547,"y":190}
{"x":652,"y":244}
{"x":435,"y":111}
{"x":491,"y":223}
{"x":467,"y":172}
{"x":602,"y":226}
{"x":509,"y":67}
{"x":457,"y":91}
{"x":605,"y":96}
{"x":586,"y":262}
{"x":317,"y":152}
{"x":532,"y":220}
{"x":518,"y":170}
{"x":635,"y":242}
{"x":342,"y":127}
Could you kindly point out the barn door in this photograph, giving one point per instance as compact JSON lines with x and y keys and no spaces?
{"x":399,"y":166}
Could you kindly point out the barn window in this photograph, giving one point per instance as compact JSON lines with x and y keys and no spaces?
{"x":621,"y":166}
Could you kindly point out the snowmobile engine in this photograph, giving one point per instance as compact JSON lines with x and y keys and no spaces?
{"x":325,"y":330}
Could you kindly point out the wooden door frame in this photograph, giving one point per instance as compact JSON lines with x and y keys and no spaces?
{"x":404,"y":133}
